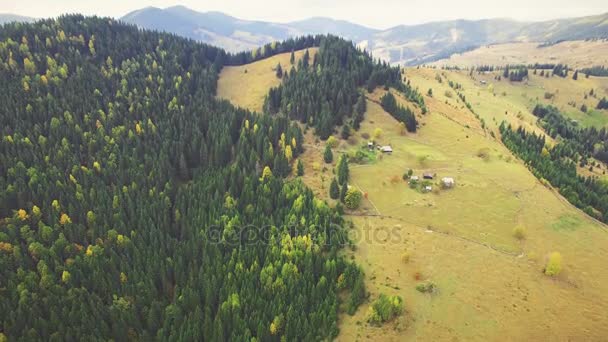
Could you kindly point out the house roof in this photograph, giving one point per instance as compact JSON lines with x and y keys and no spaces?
{"x":386,"y":149}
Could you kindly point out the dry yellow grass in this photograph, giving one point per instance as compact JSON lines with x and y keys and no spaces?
{"x":491,"y":285}
{"x":247,"y":85}
{"x":577,"y":54}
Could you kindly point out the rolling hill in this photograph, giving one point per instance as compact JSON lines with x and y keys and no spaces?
{"x":404,"y":44}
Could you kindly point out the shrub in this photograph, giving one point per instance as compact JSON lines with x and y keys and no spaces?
{"x":384,"y":309}
{"x":427,"y":287}
{"x":377,"y":133}
{"x":352,"y":200}
{"x":554,"y":264}
{"x":519,"y":233}
{"x":405,"y":257}
{"x":332,"y":142}
{"x":365,"y":136}
{"x":484,"y":153}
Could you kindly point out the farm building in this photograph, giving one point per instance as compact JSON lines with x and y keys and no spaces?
{"x":370,"y":145}
{"x":385,"y":149}
{"x":414,"y":178}
{"x":427,"y":175}
{"x":447,"y":182}
{"x":428,"y":188}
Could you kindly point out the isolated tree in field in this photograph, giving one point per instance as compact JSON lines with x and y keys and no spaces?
{"x":575,"y":76}
{"x":377,"y":133}
{"x":279,"y":71}
{"x":292,"y":58}
{"x":603,"y":104}
{"x":554,"y":264}
{"x":384,"y":309}
{"x":332,"y":142}
{"x":353,"y":198}
{"x":328,"y":156}
{"x":519,"y":232}
{"x":430,"y":92}
{"x":334,"y":189}
{"x":300,"y":168}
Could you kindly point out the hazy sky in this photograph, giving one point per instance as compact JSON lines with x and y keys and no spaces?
{"x":374,"y":13}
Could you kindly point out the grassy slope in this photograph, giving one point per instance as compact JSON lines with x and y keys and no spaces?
{"x":247,"y":85}
{"x":490,"y":285}
{"x":577,"y":54}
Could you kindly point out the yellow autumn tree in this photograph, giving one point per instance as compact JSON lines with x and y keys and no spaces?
{"x":65,"y":219}
{"x":29,"y":66}
{"x":123,"y":277}
{"x":377,"y":133}
{"x":36,"y":211}
{"x":288,"y":153}
{"x":66,"y":276}
{"x":554,"y":265}
{"x":22,"y":214}
{"x":267,"y":173}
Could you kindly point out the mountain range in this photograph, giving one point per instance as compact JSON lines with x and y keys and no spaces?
{"x":403,"y":44}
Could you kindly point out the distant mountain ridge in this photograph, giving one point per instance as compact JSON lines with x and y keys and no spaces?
{"x":8,"y":17}
{"x":403,"y":44}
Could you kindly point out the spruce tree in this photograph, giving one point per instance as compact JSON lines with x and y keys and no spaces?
{"x":292,"y":58}
{"x":343,"y":192}
{"x":279,"y":71}
{"x":334,"y":189}
{"x":343,"y":171}
{"x":300,"y":168}
{"x":328,"y":155}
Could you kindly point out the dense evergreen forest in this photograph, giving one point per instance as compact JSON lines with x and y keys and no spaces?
{"x":402,"y":114}
{"x":558,"y":164}
{"x":323,"y":92}
{"x":136,"y":206}
{"x":596,"y":70}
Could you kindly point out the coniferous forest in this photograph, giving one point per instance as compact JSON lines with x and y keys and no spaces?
{"x":558,"y":164}
{"x":136,"y":206}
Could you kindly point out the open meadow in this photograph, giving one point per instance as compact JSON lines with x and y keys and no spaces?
{"x":489,"y":278}
{"x":577,"y":54}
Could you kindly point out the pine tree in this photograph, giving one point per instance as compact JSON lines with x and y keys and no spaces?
{"x":300,"y":168}
{"x":279,"y":71}
{"x":328,"y":155}
{"x":334,"y":189}
{"x":575,"y":76}
{"x":292,"y":58}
